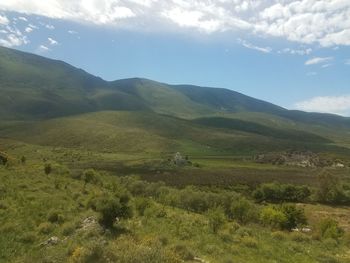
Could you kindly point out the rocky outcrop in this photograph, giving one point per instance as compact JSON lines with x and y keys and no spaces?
{"x":297,"y":158}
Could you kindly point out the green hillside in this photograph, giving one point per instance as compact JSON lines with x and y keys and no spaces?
{"x":37,"y":87}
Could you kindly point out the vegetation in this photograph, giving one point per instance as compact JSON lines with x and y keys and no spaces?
{"x":87,"y":172}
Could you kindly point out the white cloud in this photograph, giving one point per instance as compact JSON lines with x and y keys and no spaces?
{"x":51,"y":27}
{"x":28,"y":29}
{"x":291,"y":51}
{"x":43,"y":48}
{"x":33,"y":26}
{"x":328,"y":104}
{"x":13,"y":40}
{"x":4,"y":20}
{"x":326,"y":65}
{"x":347,"y":62}
{"x":251,"y":46}
{"x":321,"y":22}
{"x":52,"y":41}
{"x":23,"y":19}
{"x":317,"y":60}
{"x":72,"y":32}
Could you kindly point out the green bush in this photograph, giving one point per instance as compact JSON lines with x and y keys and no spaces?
{"x":300,"y":237}
{"x":28,"y":237}
{"x":250,"y":242}
{"x":329,"y":228}
{"x":55,"y":217}
{"x":93,"y":253}
{"x":285,"y":216}
{"x":279,"y":235}
{"x":91,"y":176}
{"x":295,"y":216}
{"x":275,"y":192}
{"x":216,"y":218}
{"x":112,"y":207}
{"x":141,"y":204}
{"x":47,"y":168}
{"x":183,"y":252}
{"x":45,"y":228}
{"x":242,"y":210}
{"x":68,"y":228}
{"x":270,"y":216}
{"x":331,"y":190}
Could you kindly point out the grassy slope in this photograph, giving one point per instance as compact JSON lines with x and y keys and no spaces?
{"x":156,"y":134}
{"x":28,"y":196}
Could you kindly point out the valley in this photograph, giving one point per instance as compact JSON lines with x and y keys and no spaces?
{"x":135,"y":170}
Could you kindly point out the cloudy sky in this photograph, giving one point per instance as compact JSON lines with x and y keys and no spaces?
{"x":292,"y":53}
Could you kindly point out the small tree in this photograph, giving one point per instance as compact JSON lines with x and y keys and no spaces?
{"x":48,"y":168}
{"x":241,"y":210}
{"x":273,"y":217}
{"x":286,"y":216}
{"x":295,"y":216}
{"x":111,"y":208}
{"x":216,"y":218}
{"x":330,"y":189}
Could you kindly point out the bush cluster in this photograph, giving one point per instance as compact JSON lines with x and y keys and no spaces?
{"x":275,"y":192}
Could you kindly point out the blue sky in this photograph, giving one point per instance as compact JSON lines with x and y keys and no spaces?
{"x":294,"y":54}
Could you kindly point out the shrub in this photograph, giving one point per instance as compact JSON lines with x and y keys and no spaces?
{"x":272,"y":217}
{"x":141,"y":204}
{"x":45,"y":228}
{"x":183,"y":252}
{"x":112,"y":207}
{"x":28,"y":237}
{"x":299,"y":237}
{"x":275,"y":192}
{"x":93,"y":253}
{"x":279,"y":235}
{"x":68,"y":228}
{"x":295,"y":216}
{"x":91,"y":176}
{"x":329,"y":228}
{"x":286,"y":216}
{"x":242,"y":210}
{"x":55,"y":217}
{"x":330,"y":189}
{"x":250,"y":242}
{"x":47,"y":168}
{"x":216,"y":218}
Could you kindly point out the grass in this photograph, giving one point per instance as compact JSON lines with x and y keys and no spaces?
{"x":29,"y":197}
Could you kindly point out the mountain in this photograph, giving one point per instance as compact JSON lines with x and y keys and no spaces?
{"x":44,"y":98}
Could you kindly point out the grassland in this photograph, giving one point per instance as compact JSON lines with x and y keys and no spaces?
{"x":165,"y":231}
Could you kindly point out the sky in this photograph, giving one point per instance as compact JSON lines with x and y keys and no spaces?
{"x":295,"y":54}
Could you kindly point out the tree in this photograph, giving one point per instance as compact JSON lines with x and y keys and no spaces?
{"x":330,"y":189}
{"x":295,"y":216}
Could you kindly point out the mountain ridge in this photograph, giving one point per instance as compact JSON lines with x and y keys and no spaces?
{"x":41,"y":88}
